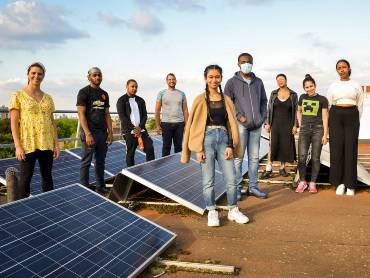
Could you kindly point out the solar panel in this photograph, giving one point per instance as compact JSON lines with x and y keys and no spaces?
{"x":115,"y":159}
{"x":74,"y":232}
{"x":180,"y":182}
{"x":66,"y":171}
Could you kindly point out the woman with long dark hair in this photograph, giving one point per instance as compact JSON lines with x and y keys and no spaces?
{"x":34,"y":130}
{"x":281,"y":124}
{"x":312,"y":116}
{"x":212,"y":133}
{"x":346,"y":102}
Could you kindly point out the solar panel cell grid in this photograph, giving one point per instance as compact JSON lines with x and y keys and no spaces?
{"x":73,"y":231}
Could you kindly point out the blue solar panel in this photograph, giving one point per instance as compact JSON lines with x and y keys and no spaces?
{"x":181,"y":182}
{"x":66,"y":171}
{"x":74,"y":232}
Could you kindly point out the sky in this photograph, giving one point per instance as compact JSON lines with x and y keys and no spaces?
{"x":146,"y":39}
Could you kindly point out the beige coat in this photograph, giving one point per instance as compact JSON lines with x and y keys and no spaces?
{"x":196,"y":126}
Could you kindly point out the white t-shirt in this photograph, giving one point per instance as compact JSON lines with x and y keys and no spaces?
{"x":346,"y":92}
{"x":135,"y":114}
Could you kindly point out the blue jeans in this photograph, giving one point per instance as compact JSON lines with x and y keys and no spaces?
{"x":250,"y":140}
{"x":215,"y":143}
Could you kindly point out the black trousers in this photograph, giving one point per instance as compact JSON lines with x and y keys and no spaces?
{"x":131,"y":145}
{"x":45,"y":159}
{"x":99,"y":148}
{"x":344,"y":127}
{"x":310,"y":134}
{"x":172,"y":132}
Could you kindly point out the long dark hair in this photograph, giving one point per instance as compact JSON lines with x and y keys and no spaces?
{"x":219,"y":69}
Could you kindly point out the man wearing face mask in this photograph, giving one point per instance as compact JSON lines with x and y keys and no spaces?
{"x":249,"y":96}
{"x":96,"y":123}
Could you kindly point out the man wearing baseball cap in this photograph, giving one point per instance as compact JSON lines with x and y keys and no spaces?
{"x":96,"y":123}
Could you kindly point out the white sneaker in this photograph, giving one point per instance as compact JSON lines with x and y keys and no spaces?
{"x":340,"y":189}
{"x":350,"y":192}
{"x":236,"y":215}
{"x":213,"y":220}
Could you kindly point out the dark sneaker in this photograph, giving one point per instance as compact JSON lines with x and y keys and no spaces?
{"x":102,"y":190}
{"x":257,"y":193}
{"x":266,"y":175}
{"x":283,"y":173}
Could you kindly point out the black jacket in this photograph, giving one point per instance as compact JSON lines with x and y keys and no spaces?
{"x":124,"y":111}
{"x":270,"y":107}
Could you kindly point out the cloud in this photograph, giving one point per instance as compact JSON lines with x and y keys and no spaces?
{"x":32,"y":25}
{"x":180,"y":5}
{"x":250,"y":2}
{"x":111,"y":19}
{"x":317,"y":42}
{"x":141,"y":20}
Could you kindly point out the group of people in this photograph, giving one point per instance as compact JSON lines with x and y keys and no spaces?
{"x":222,"y":126}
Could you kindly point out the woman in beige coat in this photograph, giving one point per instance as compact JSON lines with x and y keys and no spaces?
{"x":212,"y":133}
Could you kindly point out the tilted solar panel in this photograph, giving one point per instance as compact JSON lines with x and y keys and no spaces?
{"x":66,"y":171}
{"x":74,"y":232}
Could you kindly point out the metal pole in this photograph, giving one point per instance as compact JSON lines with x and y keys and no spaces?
{"x":77,"y":132}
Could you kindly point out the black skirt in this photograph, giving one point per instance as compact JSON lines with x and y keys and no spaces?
{"x":282,"y":140}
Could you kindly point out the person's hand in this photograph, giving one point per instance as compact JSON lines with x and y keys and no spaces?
{"x":267,"y":128}
{"x":294,"y":130}
{"x":137,"y":131}
{"x":201,"y":156}
{"x":228,"y":153}
{"x":19,"y":153}
{"x":159,"y":130}
{"x":324,"y":140}
{"x":242,"y":119}
{"x":109,"y":138}
{"x":56,"y":153}
{"x":89,"y":139}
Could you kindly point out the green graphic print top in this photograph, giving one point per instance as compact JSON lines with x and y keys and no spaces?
{"x":312,"y":108}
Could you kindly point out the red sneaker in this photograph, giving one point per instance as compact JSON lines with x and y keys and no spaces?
{"x":302,"y":185}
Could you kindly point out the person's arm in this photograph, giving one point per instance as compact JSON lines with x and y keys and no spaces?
{"x":325,"y":120}
{"x":81,"y":110}
{"x":299,"y":115}
{"x":144,"y":117}
{"x":56,"y":150}
{"x":108,"y":121}
{"x":268,"y":121}
{"x":14,"y":125}
{"x":158,"y":107}
{"x":263,"y":103}
{"x":185,"y":110}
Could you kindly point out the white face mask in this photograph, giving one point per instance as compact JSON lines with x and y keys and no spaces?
{"x":246,"y":68}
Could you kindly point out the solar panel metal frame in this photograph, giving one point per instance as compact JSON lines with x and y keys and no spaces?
{"x":137,"y":271}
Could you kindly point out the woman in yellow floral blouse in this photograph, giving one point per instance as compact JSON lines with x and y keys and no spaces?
{"x":34,"y":130}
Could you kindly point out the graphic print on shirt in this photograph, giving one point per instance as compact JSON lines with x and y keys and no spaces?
{"x":310,"y":107}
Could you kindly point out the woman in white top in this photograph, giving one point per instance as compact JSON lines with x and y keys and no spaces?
{"x":345,"y":98}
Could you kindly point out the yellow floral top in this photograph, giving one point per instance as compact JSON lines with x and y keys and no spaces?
{"x":36,"y":121}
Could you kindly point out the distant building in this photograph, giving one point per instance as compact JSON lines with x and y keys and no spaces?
{"x":4,"y":115}
{"x":364,"y":125}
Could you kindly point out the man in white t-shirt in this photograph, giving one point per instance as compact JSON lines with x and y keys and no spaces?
{"x":172,"y":103}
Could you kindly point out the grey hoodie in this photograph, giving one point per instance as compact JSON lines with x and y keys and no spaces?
{"x":250,"y":99}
